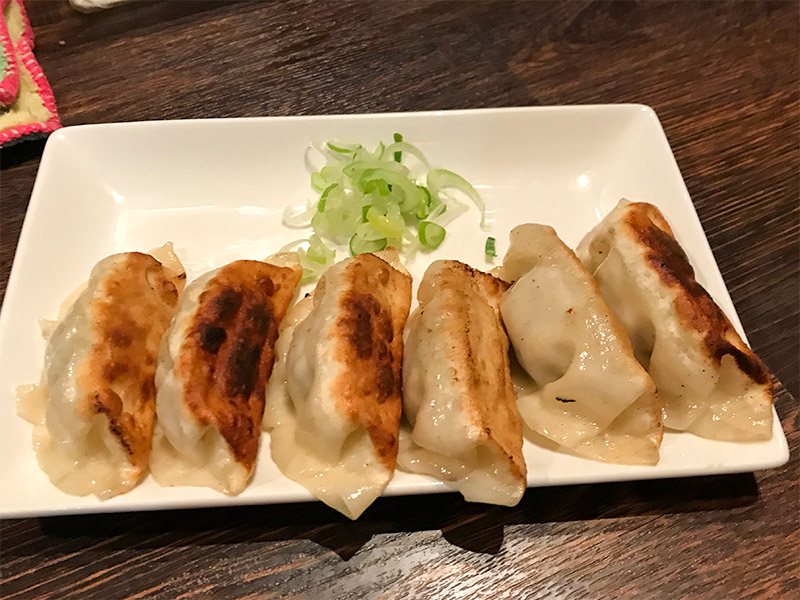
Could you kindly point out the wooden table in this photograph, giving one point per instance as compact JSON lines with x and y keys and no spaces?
{"x":724,"y":80}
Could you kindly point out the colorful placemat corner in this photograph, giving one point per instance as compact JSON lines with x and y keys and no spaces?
{"x":27,"y":105}
{"x":9,"y":72}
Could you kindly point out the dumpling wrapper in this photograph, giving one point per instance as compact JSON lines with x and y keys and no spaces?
{"x":457,"y":391}
{"x":709,"y":382}
{"x":93,"y":433}
{"x":214,"y":362}
{"x":334,"y":405}
{"x":588,"y":392}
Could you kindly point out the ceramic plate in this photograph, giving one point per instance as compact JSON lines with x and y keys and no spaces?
{"x":217,"y":189}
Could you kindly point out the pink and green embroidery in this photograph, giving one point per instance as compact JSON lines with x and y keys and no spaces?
{"x":9,"y":70}
{"x":31,"y":111}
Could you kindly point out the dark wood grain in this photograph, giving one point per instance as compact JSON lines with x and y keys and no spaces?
{"x":725,"y":81}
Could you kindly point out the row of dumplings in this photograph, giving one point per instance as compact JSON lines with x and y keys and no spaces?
{"x":609,"y":347}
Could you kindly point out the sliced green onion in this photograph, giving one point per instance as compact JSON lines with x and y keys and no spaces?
{"x":319,"y":252}
{"x":331,"y":174}
{"x":337,"y":223}
{"x":318,"y":181}
{"x":412,"y":196}
{"x":298,"y":217}
{"x":367,"y":231}
{"x":424,"y":207}
{"x":428,"y":197}
{"x":400,"y":147}
{"x":437,"y":211}
{"x":360,"y":246}
{"x":291,"y":246}
{"x":315,"y":259}
{"x":395,"y":243}
{"x":376,"y":185}
{"x":359,"y":166}
{"x":344,"y":148}
{"x":390,"y":224}
{"x":431,"y":235}
{"x":439,"y":179}
{"x":489,"y":248}
{"x":311,"y":269}
{"x":371,"y":199}
{"x":323,"y":198}
{"x":398,"y":156}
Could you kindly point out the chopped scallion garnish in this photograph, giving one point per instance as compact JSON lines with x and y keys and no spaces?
{"x":342,"y":149}
{"x":359,"y":245}
{"x":490,"y":249}
{"x":322,"y":198}
{"x":398,"y":156}
{"x":431,"y":235}
{"x":369,"y":200}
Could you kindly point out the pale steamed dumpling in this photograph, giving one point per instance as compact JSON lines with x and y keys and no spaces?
{"x":586,"y":390}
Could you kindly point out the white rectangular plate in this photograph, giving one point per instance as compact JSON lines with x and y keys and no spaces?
{"x":217,"y":189}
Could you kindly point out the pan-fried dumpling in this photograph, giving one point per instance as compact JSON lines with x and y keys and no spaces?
{"x":94,"y":436}
{"x":336,"y":414}
{"x":457,"y":391}
{"x":214,"y":362}
{"x":709,"y":382}
{"x":586,"y":390}
{"x":278,"y":406}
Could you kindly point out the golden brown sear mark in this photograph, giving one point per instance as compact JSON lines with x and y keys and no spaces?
{"x":223,"y":306}
{"x":229,"y":352}
{"x":372,"y":313}
{"x":489,"y":286}
{"x":120,"y":338}
{"x":211,"y":337}
{"x":113,"y":371}
{"x":367,"y":324}
{"x":130,"y":313}
{"x":693,"y":303}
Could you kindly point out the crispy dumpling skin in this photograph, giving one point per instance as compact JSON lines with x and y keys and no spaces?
{"x":334,"y":412}
{"x":215,"y":360}
{"x":95,"y":434}
{"x":709,"y":382}
{"x":457,"y":391}
{"x":586,"y":390}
